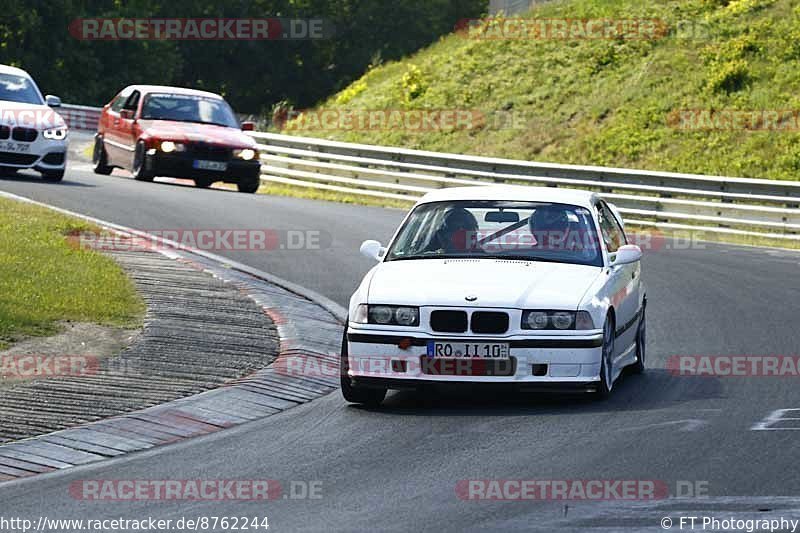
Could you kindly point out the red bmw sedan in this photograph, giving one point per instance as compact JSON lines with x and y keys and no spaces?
{"x":174,"y":132}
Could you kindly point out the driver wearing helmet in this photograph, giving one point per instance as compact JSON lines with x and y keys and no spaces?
{"x":457,"y":232}
{"x":550,"y":226}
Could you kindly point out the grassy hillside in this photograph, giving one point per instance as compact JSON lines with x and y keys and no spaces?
{"x":606,"y":102}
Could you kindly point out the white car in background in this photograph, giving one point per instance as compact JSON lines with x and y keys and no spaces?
{"x":535,"y":288}
{"x":32,"y":134}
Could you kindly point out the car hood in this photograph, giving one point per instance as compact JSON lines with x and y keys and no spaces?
{"x":495,"y":283}
{"x":38,"y":116}
{"x":193,"y":132}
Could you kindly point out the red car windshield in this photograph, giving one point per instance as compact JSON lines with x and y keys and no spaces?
{"x":188,"y":108}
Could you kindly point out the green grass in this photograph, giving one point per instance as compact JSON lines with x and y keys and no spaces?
{"x":44,"y":280}
{"x":280,"y":189}
{"x":605,"y":102}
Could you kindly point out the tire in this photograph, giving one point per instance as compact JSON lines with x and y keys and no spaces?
{"x":641,"y":346}
{"x":53,"y":176}
{"x":100,"y":158}
{"x":250,"y":185}
{"x":352,"y":394}
{"x":8,"y":171}
{"x":140,"y":172}
{"x":203,"y":183}
{"x":606,"y":364}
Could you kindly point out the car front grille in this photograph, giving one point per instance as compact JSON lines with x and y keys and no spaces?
{"x":449,"y":321}
{"x":489,"y":322}
{"x":5,"y":132}
{"x":11,"y":158}
{"x":27,"y":135}
{"x":209,"y":152}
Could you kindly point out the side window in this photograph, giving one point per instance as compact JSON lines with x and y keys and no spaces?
{"x":120,"y":100}
{"x":613,"y":235}
{"x":132,"y":103}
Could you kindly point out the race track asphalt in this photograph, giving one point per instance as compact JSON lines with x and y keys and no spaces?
{"x":397,"y":468}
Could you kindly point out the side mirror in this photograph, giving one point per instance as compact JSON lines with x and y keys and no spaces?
{"x":127,"y":114}
{"x":248,"y":126}
{"x":630,"y":253}
{"x":52,"y":101}
{"x":373,"y":250}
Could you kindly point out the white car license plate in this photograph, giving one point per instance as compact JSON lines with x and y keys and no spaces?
{"x":202,"y":164}
{"x":19,"y":148}
{"x":468,"y":350}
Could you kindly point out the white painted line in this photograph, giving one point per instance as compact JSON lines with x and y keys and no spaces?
{"x":774,"y":418}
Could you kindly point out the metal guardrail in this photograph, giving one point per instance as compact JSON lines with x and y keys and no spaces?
{"x":79,"y":117}
{"x":714,"y":204}
{"x":692,"y":202}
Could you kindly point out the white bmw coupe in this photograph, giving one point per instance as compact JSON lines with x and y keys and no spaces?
{"x":536,"y":288}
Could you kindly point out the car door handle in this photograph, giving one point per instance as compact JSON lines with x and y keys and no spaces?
{"x":633,"y":275}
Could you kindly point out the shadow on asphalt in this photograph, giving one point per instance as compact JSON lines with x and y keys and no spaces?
{"x":36,"y":178}
{"x":655,"y":389}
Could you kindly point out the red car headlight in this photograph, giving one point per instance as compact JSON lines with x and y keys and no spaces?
{"x":247,"y":154}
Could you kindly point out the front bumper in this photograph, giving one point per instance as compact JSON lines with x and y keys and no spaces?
{"x":395,"y":361}
{"x":180,"y":165}
{"x":41,"y":154}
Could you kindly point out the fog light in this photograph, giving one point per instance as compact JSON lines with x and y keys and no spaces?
{"x":167,"y":147}
{"x":247,"y":154}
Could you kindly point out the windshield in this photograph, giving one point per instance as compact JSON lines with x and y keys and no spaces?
{"x":531,"y":231}
{"x":15,"y":88}
{"x":189,"y":108}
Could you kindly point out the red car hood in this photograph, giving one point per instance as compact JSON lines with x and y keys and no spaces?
{"x":167,"y":130}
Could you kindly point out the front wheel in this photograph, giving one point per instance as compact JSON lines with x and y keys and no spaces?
{"x":100,"y":158}
{"x":353,"y":394}
{"x":607,"y":361}
{"x":249,"y":185}
{"x":203,"y":183}
{"x":140,"y":171}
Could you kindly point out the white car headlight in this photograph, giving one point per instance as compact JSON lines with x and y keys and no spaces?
{"x":557,"y":320}
{"x":246,"y":154}
{"x":56,"y":134}
{"x":535,"y":320}
{"x":563,"y":320}
{"x":394,"y":315}
{"x":407,"y":316}
{"x":380,"y":314}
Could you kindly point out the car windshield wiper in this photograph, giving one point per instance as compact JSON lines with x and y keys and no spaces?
{"x":524,"y":258}
{"x":435,"y":256}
